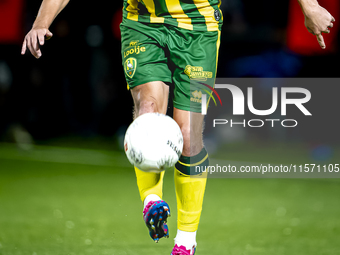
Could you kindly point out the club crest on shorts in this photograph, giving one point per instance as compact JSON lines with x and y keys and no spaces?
{"x":130,"y":67}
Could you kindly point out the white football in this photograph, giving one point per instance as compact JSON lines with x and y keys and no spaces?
{"x":153,"y":142}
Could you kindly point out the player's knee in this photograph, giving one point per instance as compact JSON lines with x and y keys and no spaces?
{"x":146,"y":106}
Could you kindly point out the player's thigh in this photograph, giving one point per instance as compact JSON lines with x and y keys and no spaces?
{"x":150,"y":97}
{"x":145,"y":65}
{"x":143,"y":56}
{"x":194,"y":58}
{"x":191,"y":124}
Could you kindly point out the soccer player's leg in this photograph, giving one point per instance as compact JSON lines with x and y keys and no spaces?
{"x":146,"y":73}
{"x":152,"y":97}
{"x":189,"y":189}
{"x":194,"y":68}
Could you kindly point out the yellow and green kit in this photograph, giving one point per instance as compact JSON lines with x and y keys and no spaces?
{"x":176,"y":42}
{"x":173,"y":41}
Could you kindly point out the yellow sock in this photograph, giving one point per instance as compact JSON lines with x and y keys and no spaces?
{"x":190,"y":187}
{"x":149,"y":183}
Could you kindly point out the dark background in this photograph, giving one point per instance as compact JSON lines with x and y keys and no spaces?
{"x":77,"y":88}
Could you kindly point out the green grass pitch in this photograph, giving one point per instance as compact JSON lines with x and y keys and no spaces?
{"x":71,"y":201}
